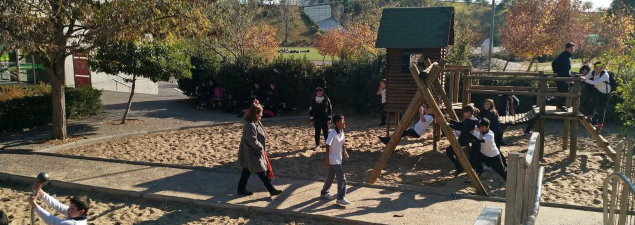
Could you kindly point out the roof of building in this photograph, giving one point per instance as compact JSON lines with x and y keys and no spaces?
{"x":431,"y":27}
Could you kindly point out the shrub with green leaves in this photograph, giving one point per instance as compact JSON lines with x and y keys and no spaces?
{"x":35,"y":109}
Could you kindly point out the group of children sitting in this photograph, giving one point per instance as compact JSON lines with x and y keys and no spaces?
{"x":477,"y":135}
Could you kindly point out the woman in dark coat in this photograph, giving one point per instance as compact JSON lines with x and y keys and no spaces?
{"x":252,"y":154}
{"x":320,"y":114}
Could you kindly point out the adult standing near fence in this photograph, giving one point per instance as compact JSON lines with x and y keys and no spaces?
{"x":320,"y":114}
{"x":562,"y":68}
{"x":596,"y":108}
{"x":252,"y":153}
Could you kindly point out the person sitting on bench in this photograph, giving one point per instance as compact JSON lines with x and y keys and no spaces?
{"x":425,"y":119}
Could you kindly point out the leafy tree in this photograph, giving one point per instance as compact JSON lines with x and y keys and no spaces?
{"x":358,"y":38}
{"x":330,"y":43}
{"x":289,"y":10}
{"x":602,"y":32}
{"x":52,"y":30}
{"x":240,"y":31}
{"x":539,"y":27}
{"x":154,"y":60}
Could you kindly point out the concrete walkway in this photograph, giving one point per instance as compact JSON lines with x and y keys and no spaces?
{"x":215,"y":187}
{"x":168,"y":109}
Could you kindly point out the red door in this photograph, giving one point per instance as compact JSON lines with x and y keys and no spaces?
{"x":82,"y":73}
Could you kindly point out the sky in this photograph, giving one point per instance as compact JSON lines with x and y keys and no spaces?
{"x":599,"y":3}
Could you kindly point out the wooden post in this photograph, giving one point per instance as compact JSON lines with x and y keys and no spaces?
{"x":541,"y":101}
{"x":451,"y":93}
{"x":542,"y":137}
{"x":448,"y":103}
{"x":436,"y":136}
{"x":411,"y":111}
{"x":427,"y":95}
{"x":565,"y":133}
{"x":387,"y":124}
{"x":514,"y":189}
{"x":466,"y":96}
{"x":573,"y":147}
{"x":457,"y":81}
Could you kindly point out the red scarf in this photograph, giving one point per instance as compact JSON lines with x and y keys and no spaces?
{"x":270,"y":171}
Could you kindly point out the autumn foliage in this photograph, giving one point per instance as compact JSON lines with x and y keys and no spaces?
{"x":356,"y":38}
{"x":541,"y":27}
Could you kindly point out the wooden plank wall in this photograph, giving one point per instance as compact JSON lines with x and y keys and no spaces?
{"x":401,"y":86}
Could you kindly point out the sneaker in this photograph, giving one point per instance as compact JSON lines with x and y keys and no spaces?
{"x":343,"y":201}
{"x":275,"y":192}
{"x":316,"y":147}
{"x":327,"y":196}
{"x":457,"y":173}
{"x":384,"y":139}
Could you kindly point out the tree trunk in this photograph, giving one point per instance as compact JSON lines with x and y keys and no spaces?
{"x":58,"y":130}
{"x":125,"y":115}
{"x":17,"y":67}
{"x":286,"y":32}
{"x":531,"y":63}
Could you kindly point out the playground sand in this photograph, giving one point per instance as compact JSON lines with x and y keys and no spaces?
{"x":414,"y":164}
{"x":124,"y":211}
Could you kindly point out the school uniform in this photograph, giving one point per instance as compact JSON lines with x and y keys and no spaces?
{"x":320,"y":112}
{"x":417,"y":131}
{"x":495,"y":126}
{"x":467,"y":134}
{"x":486,"y":151}
{"x":50,"y":219}
{"x":383,"y":106}
{"x":599,"y":96}
{"x":335,"y":141}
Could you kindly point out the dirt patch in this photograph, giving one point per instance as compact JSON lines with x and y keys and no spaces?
{"x":414,"y":163}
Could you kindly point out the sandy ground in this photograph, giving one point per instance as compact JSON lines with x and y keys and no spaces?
{"x":414,"y":163}
{"x":123,"y":211}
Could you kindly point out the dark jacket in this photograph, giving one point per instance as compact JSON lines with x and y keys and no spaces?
{"x":321,"y":111}
{"x":259,"y":94}
{"x":562,"y":64}
{"x":502,"y":104}
{"x":494,"y":123}
{"x":252,"y":148}
{"x":466,"y":127}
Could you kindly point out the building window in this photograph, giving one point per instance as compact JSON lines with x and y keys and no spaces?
{"x":408,"y":60}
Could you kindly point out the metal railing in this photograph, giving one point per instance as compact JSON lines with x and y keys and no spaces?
{"x":618,"y":191}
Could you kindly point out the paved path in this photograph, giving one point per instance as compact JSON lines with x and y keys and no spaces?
{"x":376,"y":205}
{"x":168,"y":109}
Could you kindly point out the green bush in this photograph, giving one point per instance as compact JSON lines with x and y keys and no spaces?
{"x":35,"y":110}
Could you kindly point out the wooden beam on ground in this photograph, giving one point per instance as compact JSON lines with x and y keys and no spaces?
{"x":427,"y":95}
{"x":411,"y":111}
{"x":603,"y":143}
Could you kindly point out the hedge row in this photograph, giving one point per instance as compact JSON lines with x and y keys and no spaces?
{"x":33,"y":111}
{"x":350,"y":84}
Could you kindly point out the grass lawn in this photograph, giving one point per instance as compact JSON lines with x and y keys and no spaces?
{"x":313,"y":55}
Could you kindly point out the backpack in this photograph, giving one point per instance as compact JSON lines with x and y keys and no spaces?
{"x":612,"y":81}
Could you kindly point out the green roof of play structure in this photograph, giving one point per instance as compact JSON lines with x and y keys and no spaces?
{"x":430,"y":27}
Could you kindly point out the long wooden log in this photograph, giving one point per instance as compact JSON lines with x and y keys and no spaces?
{"x":411,"y":111}
{"x":523,"y":78}
{"x":505,"y":73}
{"x":603,"y":143}
{"x":539,"y":94}
{"x":427,"y":95}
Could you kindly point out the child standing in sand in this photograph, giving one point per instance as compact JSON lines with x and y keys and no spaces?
{"x":335,"y":154}
{"x":320,"y":114}
{"x":382,"y":91}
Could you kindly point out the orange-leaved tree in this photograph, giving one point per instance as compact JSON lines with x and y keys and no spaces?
{"x":359,"y":37}
{"x":261,"y":40}
{"x":330,"y":43}
{"x":540,"y":27}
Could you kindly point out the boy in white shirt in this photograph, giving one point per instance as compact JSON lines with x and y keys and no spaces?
{"x":486,"y":151}
{"x":425,"y":119}
{"x":75,"y":212}
{"x":599,"y":78}
{"x":335,"y":154}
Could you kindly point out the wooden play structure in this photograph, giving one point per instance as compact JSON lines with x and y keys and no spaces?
{"x":413,"y":47}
